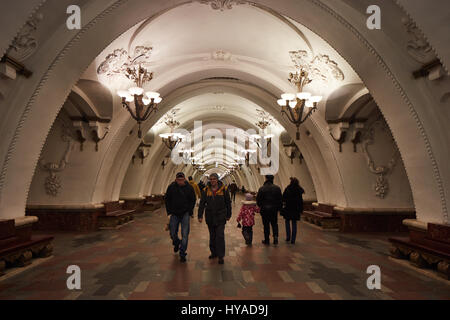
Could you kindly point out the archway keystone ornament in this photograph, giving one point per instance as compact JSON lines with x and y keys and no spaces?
{"x":222,"y":4}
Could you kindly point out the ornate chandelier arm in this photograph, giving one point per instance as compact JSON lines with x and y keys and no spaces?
{"x":129,"y":110}
{"x":308,"y":114}
{"x":150,"y":108}
{"x":290,"y":115}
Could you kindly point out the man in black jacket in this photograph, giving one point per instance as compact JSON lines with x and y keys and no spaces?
{"x":269,"y":200}
{"x":180,"y":203}
{"x":233,"y":189}
{"x":216,"y":202}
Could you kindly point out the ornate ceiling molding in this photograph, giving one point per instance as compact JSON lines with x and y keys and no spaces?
{"x":221,"y":55}
{"x":119,"y":61}
{"x":320,"y":67}
{"x":222,"y":4}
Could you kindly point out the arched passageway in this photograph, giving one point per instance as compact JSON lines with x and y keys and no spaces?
{"x":371,"y":157}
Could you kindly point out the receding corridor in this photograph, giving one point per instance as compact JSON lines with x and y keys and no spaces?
{"x":137,"y":262}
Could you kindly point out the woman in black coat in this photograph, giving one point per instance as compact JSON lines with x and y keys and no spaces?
{"x":292,"y":208}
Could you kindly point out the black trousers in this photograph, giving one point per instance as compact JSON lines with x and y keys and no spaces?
{"x":268,"y":220}
{"x":217,"y":240}
{"x":247,"y":232}
{"x":233,"y":196}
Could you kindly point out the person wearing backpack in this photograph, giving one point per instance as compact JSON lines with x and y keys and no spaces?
{"x":216,"y":204}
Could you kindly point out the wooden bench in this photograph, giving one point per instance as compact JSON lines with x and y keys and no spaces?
{"x":425,"y":249}
{"x":136,"y":204}
{"x":323,"y":216}
{"x":17,"y":247}
{"x":115,"y":216}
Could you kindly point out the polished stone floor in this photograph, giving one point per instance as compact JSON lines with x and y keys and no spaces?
{"x":137,"y":262}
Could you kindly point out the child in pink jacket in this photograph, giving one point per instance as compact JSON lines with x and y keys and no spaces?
{"x":247,"y":216}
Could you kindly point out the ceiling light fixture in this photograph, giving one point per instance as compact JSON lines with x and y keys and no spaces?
{"x":293,"y":104}
{"x":143,"y":103}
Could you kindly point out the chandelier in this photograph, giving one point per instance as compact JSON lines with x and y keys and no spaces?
{"x":298,"y":107}
{"x":264,"y":140}
{"x":173,"y":138}
{"x":144,"y":104}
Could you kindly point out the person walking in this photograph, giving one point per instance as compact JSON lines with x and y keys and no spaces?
{"x":293,"y":208}
{"x":201,"y":185}
{"x":216,"y":204}
{"x":233,"y":189}
{"x":196,"y":188}
{"x":269,"y":200}
{"x":247,"y":216}
{"x":198,"y":194}
{"x":180,"y":203}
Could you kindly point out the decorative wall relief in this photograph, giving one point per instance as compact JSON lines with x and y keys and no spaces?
{"x":25,"y":43}
{"x":222,"y":4}
{"x":221,"y":55}
{"x":53,"y":182}
{"x":381,"y":186}
{"x":117,"y":62}
{"x":418,"y":47}
{"x":320,"y":67}
{"x":218,"y":108}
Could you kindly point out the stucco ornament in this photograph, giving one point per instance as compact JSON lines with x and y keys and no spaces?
{"x":117,"y":62}
{"x":53,"y":182}
{"x":381,"y":186}
{"x":25,"y":43}
{"x":418,"y":46}
{"x":319,"y":67}
{"x":222,"y":4}
{"x":221,"y":55}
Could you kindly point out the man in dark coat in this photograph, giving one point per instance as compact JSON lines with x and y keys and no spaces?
{"x":216,"y":204}
{"x":180,"y":203}
{"x":269,"y":200}
{"x":293,"y":207}
{"x":233,"y":189}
